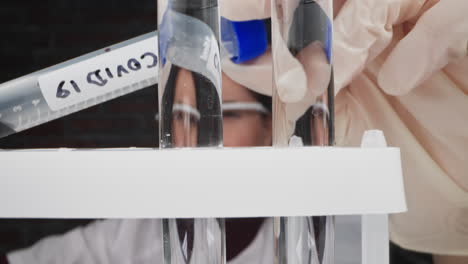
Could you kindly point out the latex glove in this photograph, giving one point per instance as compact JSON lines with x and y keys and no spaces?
{"x":255,"y":74}
{"x":364,"y":28}
{"x":243,"y":10}
{"x":439,"y":37}
{"x":299,"y":79}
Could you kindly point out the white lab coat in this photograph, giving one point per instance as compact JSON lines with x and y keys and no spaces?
{"x":126,"y":242}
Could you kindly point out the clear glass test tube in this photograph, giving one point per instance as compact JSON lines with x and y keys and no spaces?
{"x":190,"y":81}
{"x":301,"y":40}
{"x":190,"y":113}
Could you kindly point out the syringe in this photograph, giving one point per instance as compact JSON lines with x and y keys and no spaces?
{"x":79,"y":83}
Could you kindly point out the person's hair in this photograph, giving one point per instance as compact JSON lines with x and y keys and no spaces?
{"x":5,"y":130}
{"x":210,"y":129}
{"x":263,"y":99}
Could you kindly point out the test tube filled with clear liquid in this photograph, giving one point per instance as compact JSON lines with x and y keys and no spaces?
{"x":301,"y":37}
{"x":190,"y":113}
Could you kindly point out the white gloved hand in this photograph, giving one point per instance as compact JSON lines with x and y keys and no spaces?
{"x":299,"y":79}
{"x":255,"y":74}
{"x":439,"y":37}
{"x":364,"y":28}
{"x":243,"y":10}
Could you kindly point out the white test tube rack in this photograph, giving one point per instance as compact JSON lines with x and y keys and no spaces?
{"x":248,"y":182}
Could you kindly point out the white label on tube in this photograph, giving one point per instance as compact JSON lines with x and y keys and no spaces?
{"x":128,"y":69}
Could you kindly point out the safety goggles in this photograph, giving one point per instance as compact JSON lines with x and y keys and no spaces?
{"x":187,"y":112}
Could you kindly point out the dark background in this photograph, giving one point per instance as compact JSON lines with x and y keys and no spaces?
{"x":38,"y":34}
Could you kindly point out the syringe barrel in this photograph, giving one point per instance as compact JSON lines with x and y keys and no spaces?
{"x":23,"y":104}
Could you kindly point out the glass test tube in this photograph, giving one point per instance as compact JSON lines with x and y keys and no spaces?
{"x":304,"y":28}
{"x":190,"y":113}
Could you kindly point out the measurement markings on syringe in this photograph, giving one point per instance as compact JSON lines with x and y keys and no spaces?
{"x":41,"y":115}
{"x":100,"y":75}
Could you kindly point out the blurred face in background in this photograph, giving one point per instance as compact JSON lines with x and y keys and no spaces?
{"x":184,"y":115}
{"x":245,"y":124}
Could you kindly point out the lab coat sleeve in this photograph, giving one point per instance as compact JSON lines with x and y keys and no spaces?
{"x":103,"y":242}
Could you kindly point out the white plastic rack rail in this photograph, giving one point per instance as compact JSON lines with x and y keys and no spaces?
{"x":237,"y":182}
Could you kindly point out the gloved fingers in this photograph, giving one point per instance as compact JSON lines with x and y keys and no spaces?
{"x":363,"y":29}
{"x":289,"y":75}
{"x":299,"y":79}
{"x":318,"y":72}
{"x":243,"y":10}
{"x":439,"y":37}
{"x":337,"y":5}
{"x":428,"y":4}
{"x":255,"y":74}
{"x":317,"y":68}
